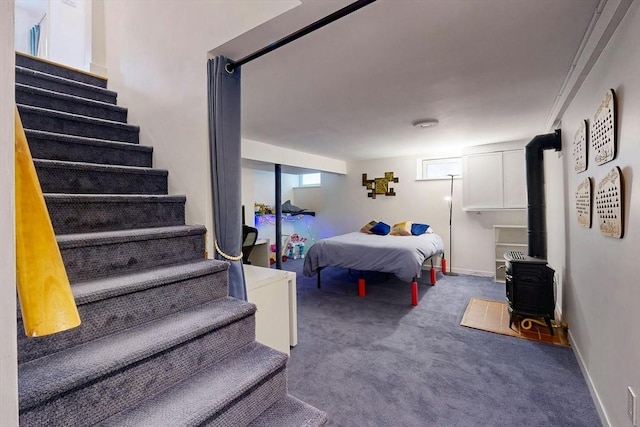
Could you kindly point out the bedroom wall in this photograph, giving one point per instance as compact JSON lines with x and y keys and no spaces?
{"x":156,"y":59}
{"x":600,"y":290}
{"x":342,"y":206}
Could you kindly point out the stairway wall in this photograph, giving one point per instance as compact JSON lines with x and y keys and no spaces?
{"x":8,"y":349}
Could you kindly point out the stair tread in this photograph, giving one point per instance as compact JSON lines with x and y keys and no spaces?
{"x":77,"y":117}
{"x":69,"y":97}
{"x":103,"y":288}
{"x":89,"y":291}
{"x":64,"y":80}
{"x":64,"y":164}
{"x":31,"y":62}
{"x":42,"y":379}
{"x":197,"y":398}
{"x":114,"y":198}
{"x":118,"y":236}
{"x":290,"y":412}
{"x":87,"y":140}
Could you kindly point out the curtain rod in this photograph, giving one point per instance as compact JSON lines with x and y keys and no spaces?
{"x":302,"y":32}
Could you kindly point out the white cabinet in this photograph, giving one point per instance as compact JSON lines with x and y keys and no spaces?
{"x":514,"y":174}
{"x":507,"y":238}
{"x":274,"y":294}
{"x":495,"y":180}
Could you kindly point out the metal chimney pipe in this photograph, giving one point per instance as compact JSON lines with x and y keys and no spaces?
{"x":537,"y":234}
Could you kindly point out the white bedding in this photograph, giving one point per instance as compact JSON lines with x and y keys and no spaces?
{"x":400,"y":255}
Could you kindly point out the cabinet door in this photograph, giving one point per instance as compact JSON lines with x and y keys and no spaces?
{"x":482,"y":183}
{"x":515,"y":179}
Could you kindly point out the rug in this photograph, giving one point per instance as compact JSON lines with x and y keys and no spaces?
{"x":493,"y":316}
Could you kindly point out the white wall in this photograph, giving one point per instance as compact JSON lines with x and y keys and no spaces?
{"x":67,"y":33}
{"x":259,"y":151}
{"x":600,"y":288}
{"x":8,"y":346}
{"x":156,"y":58}
{"x":342,"y":206}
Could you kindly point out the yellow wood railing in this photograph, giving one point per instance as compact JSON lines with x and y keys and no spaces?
{"x":44,"y":290}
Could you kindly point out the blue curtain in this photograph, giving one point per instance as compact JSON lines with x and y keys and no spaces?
{"x":34,"y":39}
{"x":224,"y":145}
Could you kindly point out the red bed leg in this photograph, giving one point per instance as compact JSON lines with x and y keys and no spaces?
{"x":433,"y":276}
{"x":361,"y":287}
{"x":414,"y":293}
{"x":443,"y":265}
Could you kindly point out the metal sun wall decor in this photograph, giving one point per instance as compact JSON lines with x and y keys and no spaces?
{"x":603,"y":129}
{"x":379,"y":185}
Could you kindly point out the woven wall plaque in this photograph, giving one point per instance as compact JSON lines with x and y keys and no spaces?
{"x":580,"y":148}
{"x":609,"y":204}
{"x":603,"y":130}
{"x":583,"y":203}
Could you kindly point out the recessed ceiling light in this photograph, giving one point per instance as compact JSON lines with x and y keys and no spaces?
{"x":426,"y":123}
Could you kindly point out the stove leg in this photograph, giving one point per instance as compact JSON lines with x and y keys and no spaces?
{"x":547,"y":319}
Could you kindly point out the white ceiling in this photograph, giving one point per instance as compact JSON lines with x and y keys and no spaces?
{"x":488,"y":70}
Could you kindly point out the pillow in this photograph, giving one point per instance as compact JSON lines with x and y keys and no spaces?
{"x":418,"y":229}
{"x":381,"y":229}
{"x":367,"y":227}
{"x":402,"y":229}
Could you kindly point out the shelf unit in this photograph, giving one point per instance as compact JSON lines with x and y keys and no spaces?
{"x":507,"y":238}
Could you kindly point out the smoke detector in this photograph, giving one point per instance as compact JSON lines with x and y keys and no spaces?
{"x":425,"y":123}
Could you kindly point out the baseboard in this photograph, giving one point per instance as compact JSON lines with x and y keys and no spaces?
{"x":473,"y":272}
{"x":587,"y":378}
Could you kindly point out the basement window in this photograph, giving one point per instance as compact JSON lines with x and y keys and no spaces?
{"x":310,"y":179}
{"x":439,"y":168}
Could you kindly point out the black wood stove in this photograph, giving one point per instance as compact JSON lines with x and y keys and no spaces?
{"x":530,"y":289}
{"x":529,"y":280}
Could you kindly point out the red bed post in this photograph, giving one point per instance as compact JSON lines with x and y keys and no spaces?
{"x":361,"y":287}
{"x":414,"y":293}
{"x":433,"y":276}
{"x":443,"y":265}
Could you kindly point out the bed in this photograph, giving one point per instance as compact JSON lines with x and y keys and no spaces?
{"x":403,"y":256}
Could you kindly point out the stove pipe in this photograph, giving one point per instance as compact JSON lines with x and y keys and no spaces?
{"x":537,"y":234}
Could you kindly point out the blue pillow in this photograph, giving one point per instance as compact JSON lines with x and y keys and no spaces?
{"x":380,"y":229}
{"x":418,"y":229}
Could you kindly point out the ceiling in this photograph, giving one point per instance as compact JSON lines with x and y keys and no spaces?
{"x":487,"y":70}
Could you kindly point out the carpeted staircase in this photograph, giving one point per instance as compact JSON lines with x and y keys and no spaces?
{"x":161,"y":343}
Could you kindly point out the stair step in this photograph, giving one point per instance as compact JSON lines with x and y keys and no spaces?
{"x":92,"y":255}
{"x":42,"y":80}
{"x":60,"y":70}
{"x":89,"y":178}
{"x":290,"y":412}
{"x":57,"y":146}
{"x":43,"y":98}
{"x":232,"y":392}
{"x":85,"y":213}
{"x":37,"y":118}
{"x":88,"y":383}
{"x":109,"y":305}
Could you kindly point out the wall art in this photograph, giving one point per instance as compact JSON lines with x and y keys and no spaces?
{"x":603,"y":130}
{"x":609,"y":204}
{"x":580,"y":148}
{"x":379,"y":185}
{"x":583,"y":203}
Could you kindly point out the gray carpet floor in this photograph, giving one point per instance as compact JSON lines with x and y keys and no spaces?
{"x":378,"y":361}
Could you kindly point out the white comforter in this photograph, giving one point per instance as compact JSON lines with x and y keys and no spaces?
{"x":400,"y":255}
